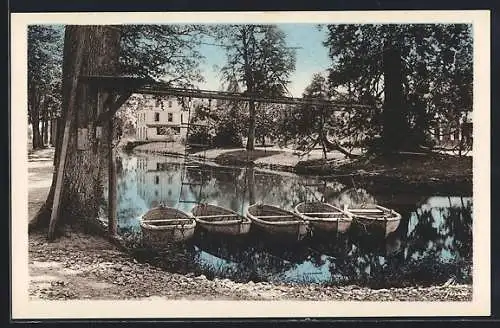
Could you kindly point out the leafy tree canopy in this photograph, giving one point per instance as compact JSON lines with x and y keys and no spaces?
{"x":437,"y":68}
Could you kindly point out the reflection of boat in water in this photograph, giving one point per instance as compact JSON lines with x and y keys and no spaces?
{"x":324,"y":217}
{"x":162,"y":226}
{"x":276,"y":221}
{"x":228,"y":249}
{"x":375,"y":218}
{"x":242,"y":258}
{"x":217,"y":219}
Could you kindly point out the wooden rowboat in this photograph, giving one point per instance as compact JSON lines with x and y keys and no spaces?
{"x":375,"y":217}
{"x":324,"y":217}
{"x":162,"y":226}
{"x":277,"y":221}
{"x":217,"y":219}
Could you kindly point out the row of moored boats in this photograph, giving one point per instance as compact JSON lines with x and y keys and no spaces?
{"x":165,"y":225}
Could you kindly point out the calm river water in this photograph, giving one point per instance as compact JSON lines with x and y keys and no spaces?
{"x":432,"y":244}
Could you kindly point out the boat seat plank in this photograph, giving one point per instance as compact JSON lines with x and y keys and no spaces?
{"x":173,"y":221}
{"x":216,"y":216}
{"x":321,"y":213}
{"x":275,"y":216}
{"x":365,"y":210}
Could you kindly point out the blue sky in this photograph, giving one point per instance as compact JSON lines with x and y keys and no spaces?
{"x":312,"y":57}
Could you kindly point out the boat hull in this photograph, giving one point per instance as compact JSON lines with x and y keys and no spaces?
{"x":164,"y":226}
{"x":235,"y":229}
{"x":298,"y":230}
{"x":231,"y":224}
{"x":165,"y":237}
{"x":386,"y":223}
{"x":370,"y":225}
{"x":293,"y":226}
{"x":328,"y":218}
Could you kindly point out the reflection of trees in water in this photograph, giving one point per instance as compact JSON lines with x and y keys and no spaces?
{"x":437,"y":246}
{"x":445,"y":231}
{"x":249,"y":260}
{"x":352,"y":197}
{"x":176,"y":258}
{"x":234,"y":186}
{"x":431,"y":243}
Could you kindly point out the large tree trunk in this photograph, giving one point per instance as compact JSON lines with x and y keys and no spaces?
{"x":53,"y":131}
{"x":37,"y":138}
{"x":45,"y":130}
{"x":251,"y":127}
{"x":395,"y":126}
{"x":97,"y":54}
{"x":34,"y":114}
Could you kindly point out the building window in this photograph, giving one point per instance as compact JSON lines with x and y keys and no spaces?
{"x":170,"y":117}
{"x":170,"y":104}
{"x":157,"y":180}
{"x":157,"y":117}
{"x":181,"y":118}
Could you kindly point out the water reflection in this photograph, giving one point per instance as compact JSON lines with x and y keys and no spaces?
{"x":432,"y":243}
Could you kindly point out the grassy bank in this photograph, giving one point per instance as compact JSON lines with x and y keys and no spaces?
{"x":432,"y":172}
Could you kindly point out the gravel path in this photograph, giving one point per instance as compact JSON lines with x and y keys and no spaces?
{"x":79,"y":266}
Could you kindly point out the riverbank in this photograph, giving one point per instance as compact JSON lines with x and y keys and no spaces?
{"x":430,"y":173}
{"x":79,"y":266}
{"x":83,"y":266}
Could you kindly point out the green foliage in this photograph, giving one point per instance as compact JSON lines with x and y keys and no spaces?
{"x":268,"y":118}
{"x":258,"y":61}
{"x":162,"y":52}
{"x":224,"y":126}
{"x":308,"y":126}
{"x":44,"y":78}
{"x":257,"y":57}
{"x":437,"y":72}
{"x":44,"y":69}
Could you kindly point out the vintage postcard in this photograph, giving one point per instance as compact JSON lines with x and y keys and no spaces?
{"x":250,"y":164}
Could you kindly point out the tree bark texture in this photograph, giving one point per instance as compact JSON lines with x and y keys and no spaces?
{"x":45,"y":131}
{"x":34,"y":115}
{"x":395,"y":126}
{"x":251,"y":126}
{"x":37,"y":138}
{"x":83,"y":169}
{"x":53,"y":131}
{"x":112,"y":196}
{"x":246,"y":35}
